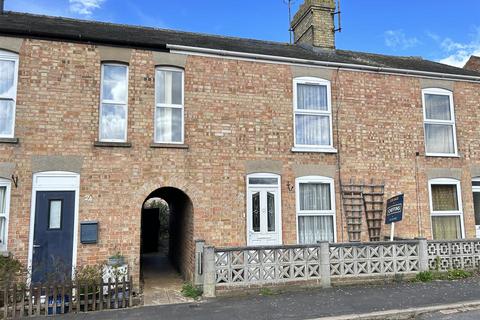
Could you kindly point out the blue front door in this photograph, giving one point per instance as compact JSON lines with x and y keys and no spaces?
{"x":53,"y":236}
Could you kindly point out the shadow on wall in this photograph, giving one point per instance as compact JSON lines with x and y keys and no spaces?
{"x":180,"y":228}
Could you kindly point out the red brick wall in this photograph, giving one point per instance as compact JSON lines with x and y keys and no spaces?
{"x":235,"y":111}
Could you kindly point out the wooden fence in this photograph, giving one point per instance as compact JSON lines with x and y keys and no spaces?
{"x":17,"y":301}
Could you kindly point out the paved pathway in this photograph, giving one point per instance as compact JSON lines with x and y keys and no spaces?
{"x":308,"y":304}
{"x":162,"y":283}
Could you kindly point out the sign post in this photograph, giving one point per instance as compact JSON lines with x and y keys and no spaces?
{"x":394,"y":213}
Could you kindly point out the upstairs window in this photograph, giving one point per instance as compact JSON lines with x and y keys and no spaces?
{"x":446,"y":209}
{"x":169,"y":113}
{"x":4,"y":209}
{"x":8,"y":93}
{"x":313,"y":114}
{"x":113,"y":107}
{"x":439,"y":118}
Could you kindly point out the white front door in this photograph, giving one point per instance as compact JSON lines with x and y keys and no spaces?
{"x":263,"y":216}
{"x":476,"y":205}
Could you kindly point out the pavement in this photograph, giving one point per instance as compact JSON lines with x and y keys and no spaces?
{"x":335,"y":303}
{"x":472,"y":313}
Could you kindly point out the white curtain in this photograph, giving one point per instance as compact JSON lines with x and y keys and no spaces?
{"x":315,"y":196}
{"x":312,"y":129}
{"x":312,"y":97}
{"x":6,"y":117}
{"x":113,"y":121}
{"x":446,"y":228}
{"x":315,"y":228}
{"x":7,"y":73}
{"x":439,"y":138}
{"x":437,"y":107}
{"x":2,"y":212}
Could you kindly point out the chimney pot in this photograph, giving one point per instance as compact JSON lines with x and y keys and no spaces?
{"x":314,"y":25}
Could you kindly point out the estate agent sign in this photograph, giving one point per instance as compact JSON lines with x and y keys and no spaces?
{"x":394,"y":209}
{"x":394,"y":212}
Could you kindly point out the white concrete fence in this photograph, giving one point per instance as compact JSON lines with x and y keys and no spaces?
{"x":321,"y":264}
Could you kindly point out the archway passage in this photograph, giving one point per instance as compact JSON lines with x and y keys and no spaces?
{"x":166,"y":241}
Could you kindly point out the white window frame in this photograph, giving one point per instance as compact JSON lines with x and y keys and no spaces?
{"x":10,"y":56}
{"x":451,"y":122}
{"x":123,"y":103}
{"x":165,"y":105}
{"x":312,"y":148}
{"x":6,"y":183}
{"x":459,"y":212}
{"x":331,"y":212}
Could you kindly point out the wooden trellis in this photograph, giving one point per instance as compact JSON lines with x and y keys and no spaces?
{"x":353,"y":208}
{"x":373,"y":203}
{"x":359,"y":200}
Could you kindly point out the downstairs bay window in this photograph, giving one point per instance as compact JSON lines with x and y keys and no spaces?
{"x":315,"y":205}
{"x":446,"y":209}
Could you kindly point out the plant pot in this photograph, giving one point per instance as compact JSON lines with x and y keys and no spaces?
{"x":116,"y":261}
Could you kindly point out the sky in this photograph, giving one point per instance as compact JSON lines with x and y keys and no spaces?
{"x":439,"y":30}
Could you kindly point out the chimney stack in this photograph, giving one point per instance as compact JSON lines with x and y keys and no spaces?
{"x":314,"y":25}
{"x":473,"y":64}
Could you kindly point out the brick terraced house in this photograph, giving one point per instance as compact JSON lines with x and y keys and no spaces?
{"x":249,"y":142}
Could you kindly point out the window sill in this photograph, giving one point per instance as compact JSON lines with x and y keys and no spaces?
{"x":169,"y":145}
{"x":9,"y":140}
{"x":317,"y":150}
{"x":442,"y":155}
{"x":104,"y":144}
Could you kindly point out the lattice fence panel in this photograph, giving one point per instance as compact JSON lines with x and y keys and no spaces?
{"x":374,"y":259}
{"x":458,"y":254}
{"x":272,"y":265}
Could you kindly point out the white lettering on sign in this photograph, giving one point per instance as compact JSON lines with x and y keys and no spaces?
{"x":394,"y":209}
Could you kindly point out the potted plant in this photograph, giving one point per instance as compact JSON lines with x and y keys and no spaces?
{"x":116,"y":260}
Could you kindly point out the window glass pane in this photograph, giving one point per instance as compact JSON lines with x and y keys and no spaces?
{"x":113,"y":122}
{"x":169,"y":87}
{"x":444,"y":197}
{"x":271,"y":211}
{"x":315,"y":196}
{"x":476,"y":207}
{"x":437,"y":107}
{"x":315,"y":228}
{"x":3,"y":236}
{"x":3,"y":200}
{"x":475,"y":183}
{"x":446,"y":228}
{"x":114,"y":83}
{"x":7,"y":73}
{"x":6,"y":117}
{"x":312,"y":130}
{"x":256,"y":211}
{"x":263,"y":181}
{"x":312,"y":97}
{"x":55,"y":216}
{"x":169,"y":125}
{"x":439,"y":138}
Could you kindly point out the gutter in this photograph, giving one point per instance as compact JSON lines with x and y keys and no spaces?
{"x":268,"y":58}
